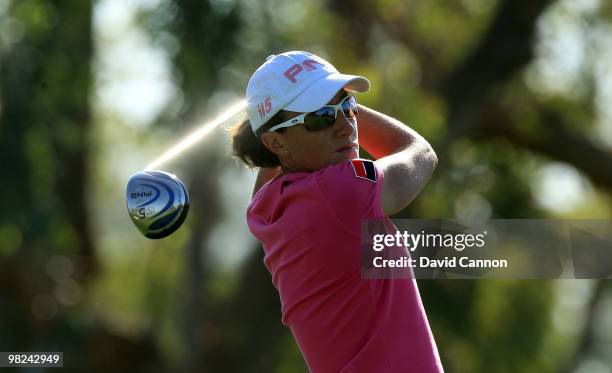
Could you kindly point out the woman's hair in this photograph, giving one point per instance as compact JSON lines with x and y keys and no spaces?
{"x":247,"y":145}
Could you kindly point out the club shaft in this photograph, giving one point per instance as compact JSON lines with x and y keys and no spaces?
{"x":197,"y":135}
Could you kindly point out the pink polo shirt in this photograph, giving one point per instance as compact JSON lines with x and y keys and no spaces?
{"x":309,"y":225}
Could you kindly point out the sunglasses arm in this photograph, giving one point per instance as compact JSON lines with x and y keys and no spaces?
{"x":291,"y":122}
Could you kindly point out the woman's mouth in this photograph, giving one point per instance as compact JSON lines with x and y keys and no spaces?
{"x":347,"y":148}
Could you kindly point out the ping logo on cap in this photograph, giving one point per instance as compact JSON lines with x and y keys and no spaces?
{"x":294,"y":70}
{"x":294,"y":81}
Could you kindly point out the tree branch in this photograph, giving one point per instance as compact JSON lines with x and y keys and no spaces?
{"x":503,"y":52}
{"x":554,"y":139}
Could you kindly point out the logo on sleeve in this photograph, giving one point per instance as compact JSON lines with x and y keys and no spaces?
{"x":364,"y":169}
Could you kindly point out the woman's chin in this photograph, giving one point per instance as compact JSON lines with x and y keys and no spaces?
{"x":351,"y":153}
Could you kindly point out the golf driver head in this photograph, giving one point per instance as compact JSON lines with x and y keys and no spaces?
{"x":157,"y":203}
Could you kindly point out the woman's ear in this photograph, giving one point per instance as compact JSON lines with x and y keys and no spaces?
{"x":274,"y":142}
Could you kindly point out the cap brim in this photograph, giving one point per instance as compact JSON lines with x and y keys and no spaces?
{"x":323,"y":90}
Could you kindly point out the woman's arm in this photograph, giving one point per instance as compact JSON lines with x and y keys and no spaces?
{"x":406,"y":158}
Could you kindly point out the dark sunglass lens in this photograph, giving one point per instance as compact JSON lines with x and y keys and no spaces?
{"x":320,"y":119}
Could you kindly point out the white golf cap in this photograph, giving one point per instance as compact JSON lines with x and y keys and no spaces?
{"x":295,"y":81}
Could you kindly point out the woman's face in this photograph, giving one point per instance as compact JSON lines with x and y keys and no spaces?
{"x":301,"y":150}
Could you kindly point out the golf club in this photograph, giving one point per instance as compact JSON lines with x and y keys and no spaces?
{"x":157,"y":201}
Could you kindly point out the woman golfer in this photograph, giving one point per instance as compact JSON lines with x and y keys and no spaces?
{"x":311,"y":194}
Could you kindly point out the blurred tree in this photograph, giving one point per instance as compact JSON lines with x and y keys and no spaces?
{"x":47,"y":255}
{"x":45,"y":122}
{"x":253,"y":338}
{"x":587,"y":345}
{"x":242,"y":333}
{"x":206,"y":31}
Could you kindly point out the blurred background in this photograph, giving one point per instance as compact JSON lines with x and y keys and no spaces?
{"x":515,"y":97}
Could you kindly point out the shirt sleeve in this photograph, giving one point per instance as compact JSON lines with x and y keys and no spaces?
{"x":353,"y":191}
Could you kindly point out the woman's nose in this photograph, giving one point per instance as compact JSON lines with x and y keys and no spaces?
{"x":347,"y":125}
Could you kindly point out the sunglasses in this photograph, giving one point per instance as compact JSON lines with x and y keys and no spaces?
{"x":324,"y":117}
